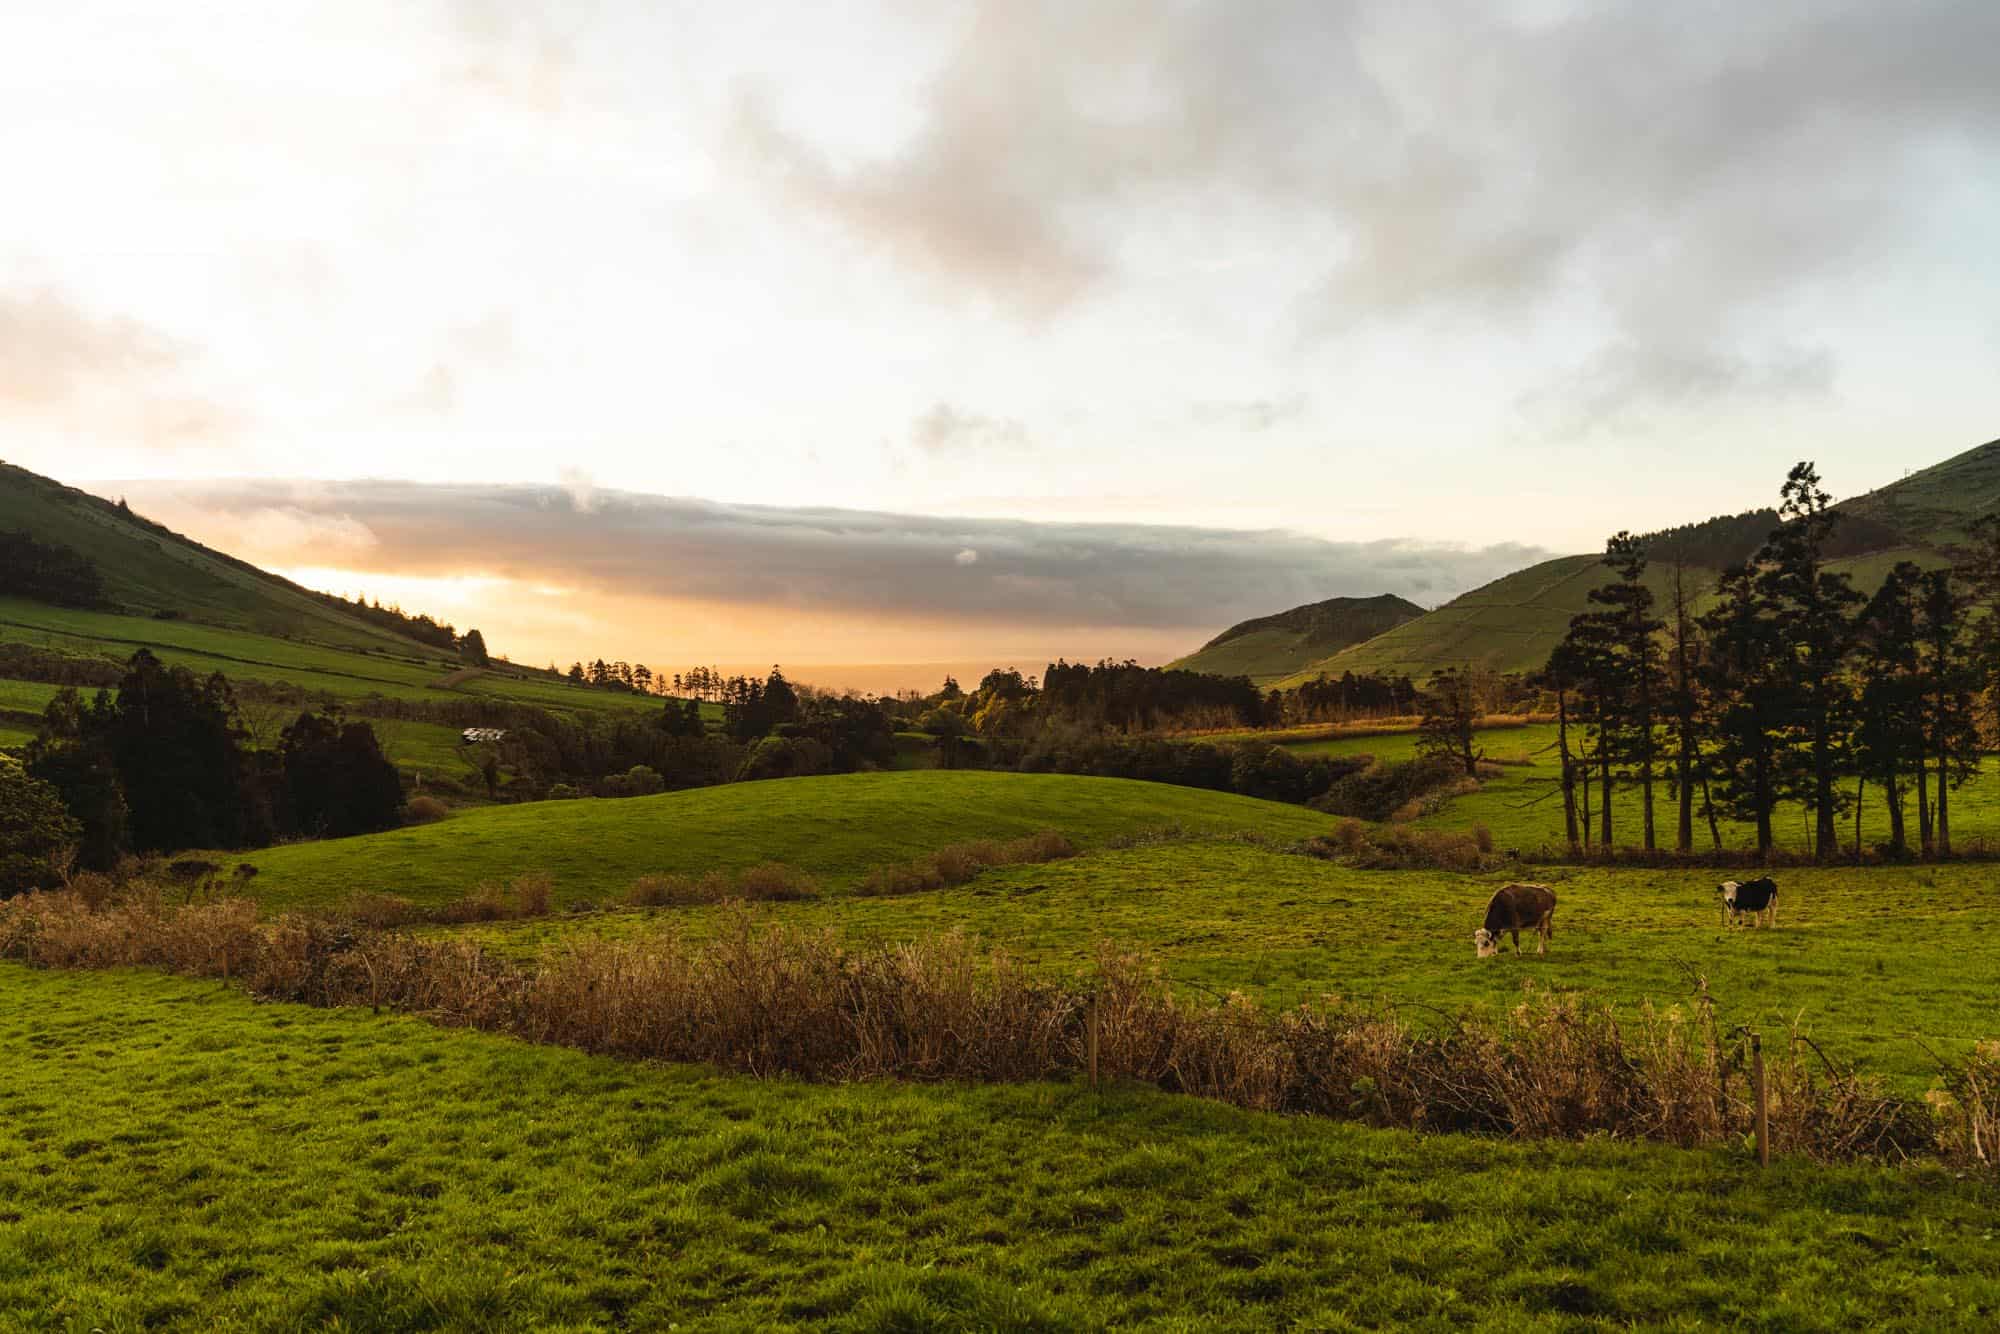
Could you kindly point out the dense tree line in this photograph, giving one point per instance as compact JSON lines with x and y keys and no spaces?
{"x":422,"y":628}
{"x":1792,"y":686}
{"x":1325,"y":699}
{"x":48,"y":572}
{"x":163,"y":765}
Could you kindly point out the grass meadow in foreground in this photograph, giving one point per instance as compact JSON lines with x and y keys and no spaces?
{"x":836,"y":828}
{"x":1872,"y":964}
{"x":173,"y":1155}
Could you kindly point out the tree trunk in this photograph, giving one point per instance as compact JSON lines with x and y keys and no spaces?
{"x":1943,"y":804}
{"x":1898,"y":839}
{"x":1762,"y":792}
{"x":1860,"y":786}
{"x":1604,"y":793}
{"x":1826,"y":839}
{"x":1583,"y":768}
{"x":1568,"y":775}
{"x":1708,"y":811}
{"x":1923,"y":777}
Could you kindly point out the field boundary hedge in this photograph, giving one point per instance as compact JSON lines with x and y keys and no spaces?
{"x":784,"y":1002}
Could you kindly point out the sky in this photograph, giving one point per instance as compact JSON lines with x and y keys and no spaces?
{"x":934,"y":331}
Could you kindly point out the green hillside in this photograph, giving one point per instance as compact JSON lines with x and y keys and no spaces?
{"x":1270,"y":647}
{"x":148,"y":568}
{"x":210,"y":612}
{"x":1511,"y":624}
{"x":836,"y":827}
{"x":1935,"y":507}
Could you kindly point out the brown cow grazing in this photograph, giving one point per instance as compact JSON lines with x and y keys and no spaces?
{"x":1517,"y":908}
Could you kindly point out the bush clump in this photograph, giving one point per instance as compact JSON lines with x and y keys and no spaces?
{"x":425,"y":810}
{"x":768,"y":881}
{"x":1382,"y":791}
{"x":961,"y":862}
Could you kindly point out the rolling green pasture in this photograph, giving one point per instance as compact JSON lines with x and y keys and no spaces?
{"x":1874,"y":965}
{"x":344,"y":672}
{"x":836,"y":827}
{"x":174,"y":1156}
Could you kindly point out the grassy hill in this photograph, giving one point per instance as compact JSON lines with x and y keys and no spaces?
{"x":207,"y":611}
{"x":836,"y":827}
{"x":1511,"y":624}
{"x":149,"y":568}
{"x":1270,"y":647}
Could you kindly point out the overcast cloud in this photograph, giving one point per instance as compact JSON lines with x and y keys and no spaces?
{"x":1110,"y":576}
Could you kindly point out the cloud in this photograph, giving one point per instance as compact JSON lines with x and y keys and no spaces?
{"x":1256,"y":414}
{"x":942,"y":429}
{"x":52,"y":354}
{"x":107,"y":377}
{"x":1670,"y":181}
{"x":581,"y":490}
{"x":857,"y":563}
{"x":1631,"y":382}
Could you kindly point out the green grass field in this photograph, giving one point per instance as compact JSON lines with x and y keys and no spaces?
{"x":836,"y":827}
{"x":174,"y":1156}
{"x":407,"y":672}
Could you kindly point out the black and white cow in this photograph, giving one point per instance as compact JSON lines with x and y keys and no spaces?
{"x":1514,"y":909}
{"x":1757,"y":897}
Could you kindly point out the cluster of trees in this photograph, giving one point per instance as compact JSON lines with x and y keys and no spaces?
{"x":1789,"y":685}
{"x":164,"y":765}
{"x":1252,"y":768}
{"x":637,"y":678}
{"x":422,"y":628}
{"x":1118,"y":697}
{"x":1326,"y":700}
{"x":48,"y":572}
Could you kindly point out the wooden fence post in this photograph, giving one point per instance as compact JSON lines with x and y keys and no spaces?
{"x":1091,"y":1030}
{"x":1763,"y":1101}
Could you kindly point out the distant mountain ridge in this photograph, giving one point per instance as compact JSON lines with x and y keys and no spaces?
{"x":1266,"y":648}
{"x":1511,"y":624}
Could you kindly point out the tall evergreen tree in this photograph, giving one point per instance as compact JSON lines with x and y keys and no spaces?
{"x":1811,"y":607}
{"x":1749,"y":688}
{"x":1683,"y":702}
{"x":1629,"y":634}
{"x":1591,"y":654}
{"x":1889,"y":733}
{"x":1949,"y":674}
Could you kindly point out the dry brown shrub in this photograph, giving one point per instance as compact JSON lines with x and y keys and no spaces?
{"x":959,"y":863}
{"x":772,"y":881}
{"x":777,"y":882}
{"x":94,"y":888}
{"x":1482,"y":837}
{"x":533,"y":894}
{"x":1350,"y":836}
{"x":1966,"y":1107}
{"x":380,"y":911}
{"x":488,"y":903}
{"x":425,"y":810}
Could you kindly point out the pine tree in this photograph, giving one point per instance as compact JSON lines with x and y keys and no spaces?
{"x":1749,"y":690}
{"x":1889,"y":735}
{"x":1810,"y":606}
